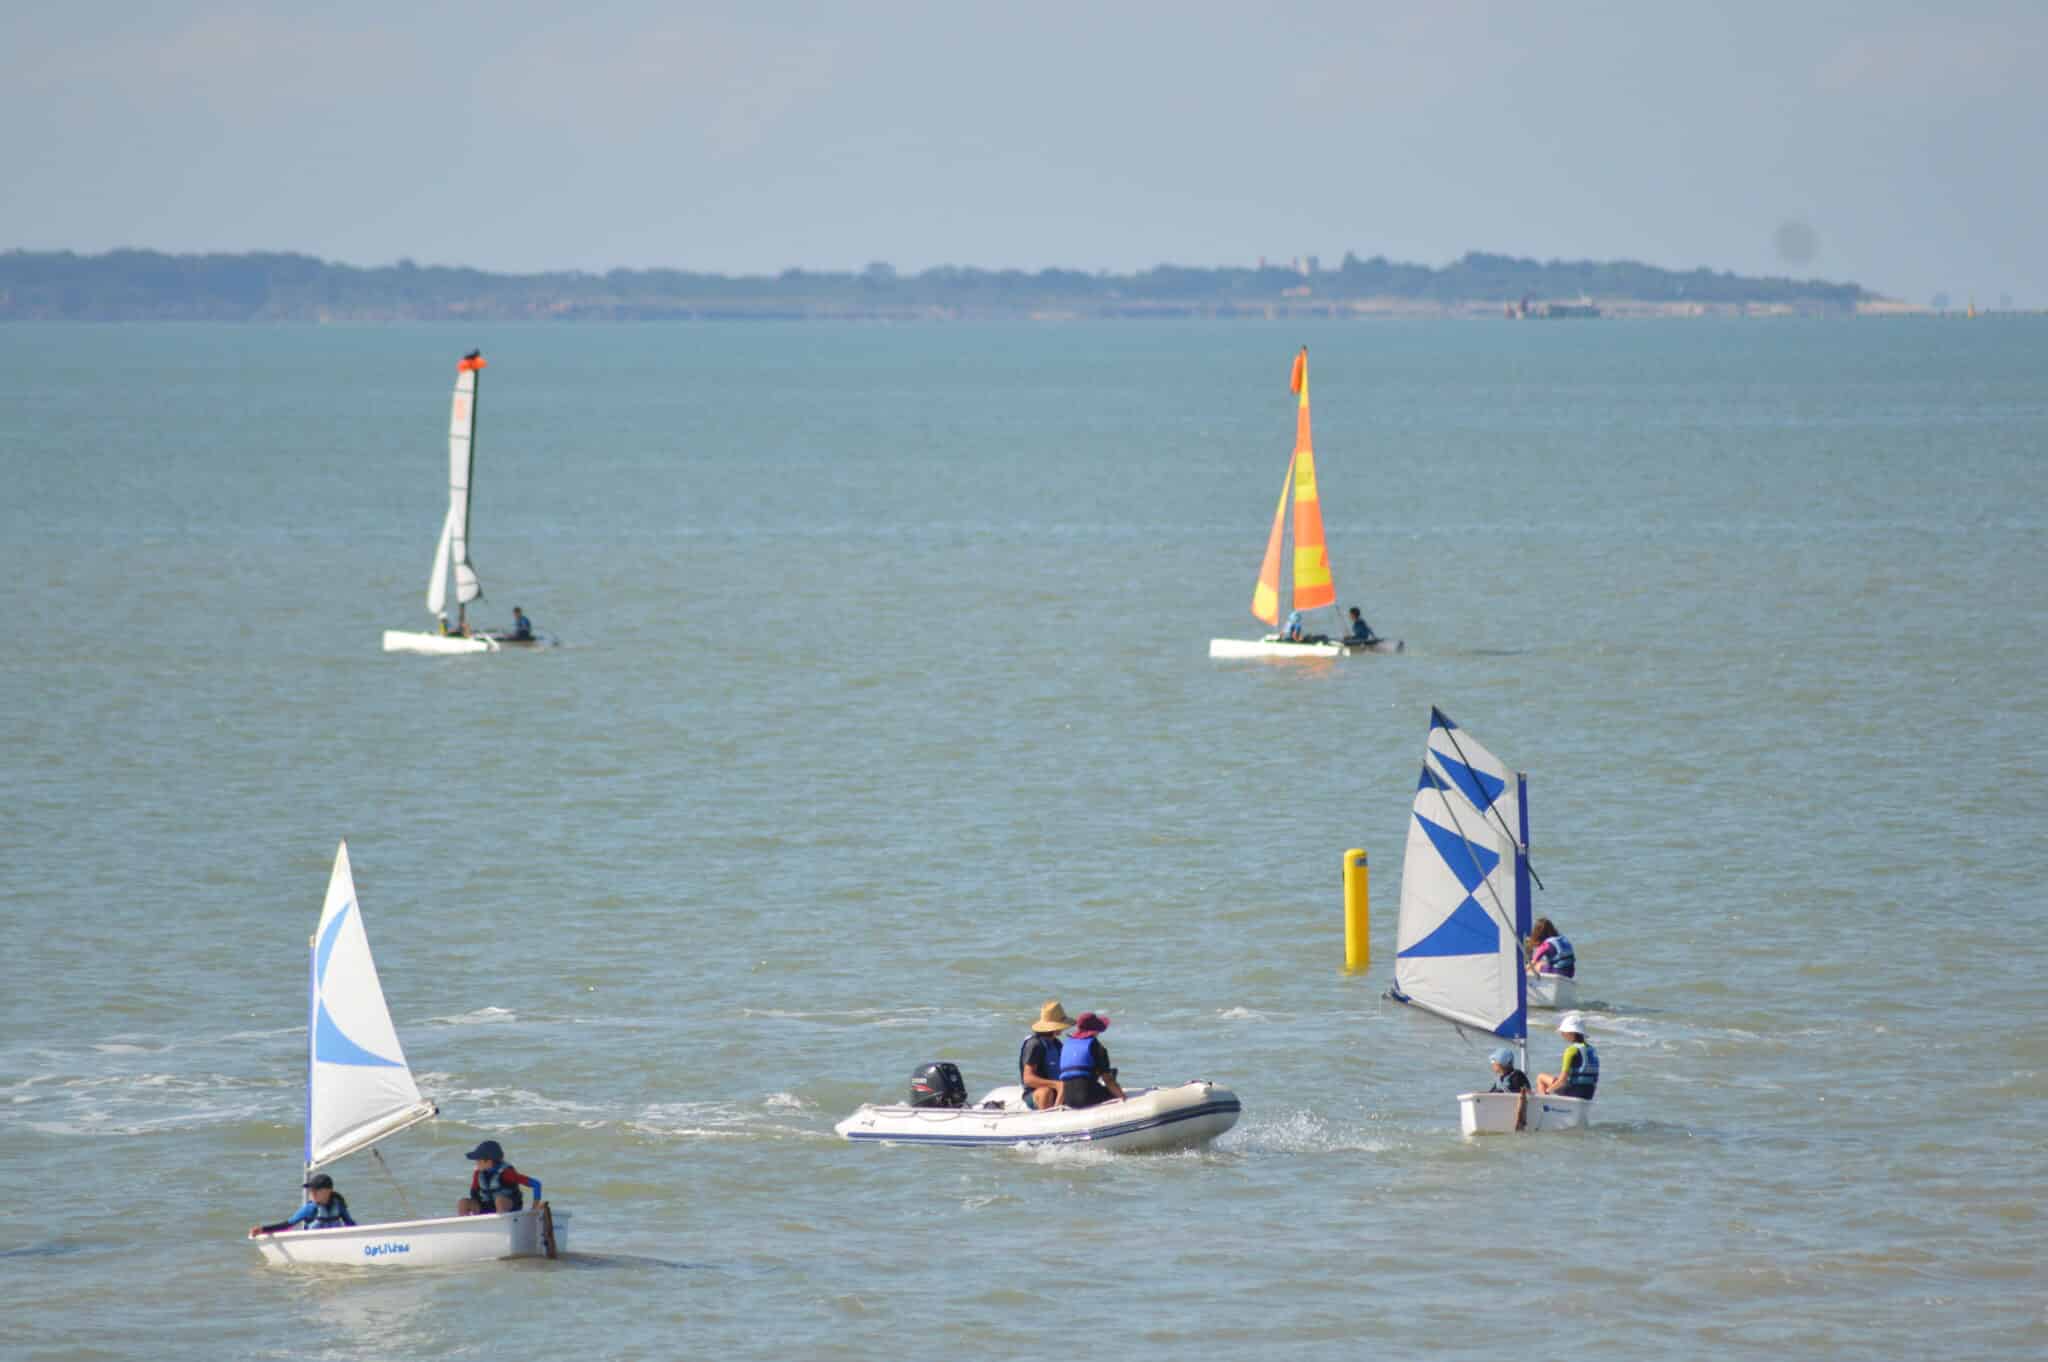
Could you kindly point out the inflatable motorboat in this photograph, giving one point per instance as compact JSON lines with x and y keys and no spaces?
{"x":1144,"y":1120}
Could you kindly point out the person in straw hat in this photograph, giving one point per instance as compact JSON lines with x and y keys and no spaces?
{"x":1038,"y":1063}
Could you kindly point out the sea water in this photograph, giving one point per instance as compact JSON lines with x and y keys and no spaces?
{"x":883,"y":714}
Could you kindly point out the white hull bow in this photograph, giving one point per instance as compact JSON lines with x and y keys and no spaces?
{"x":1272,"y":645}
{"x":419,"y":1243}
{"x":1493,"y":1113}
{"x":1553,"y":991}
{"x":402,"y":641}
{"x":1149,"y":1119}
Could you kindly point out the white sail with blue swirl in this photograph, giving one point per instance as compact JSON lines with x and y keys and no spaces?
{"x":358,"y":1087}
{"x":1465,"y":888}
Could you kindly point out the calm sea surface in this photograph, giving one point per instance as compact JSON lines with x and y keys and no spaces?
{"x":885,"y":714}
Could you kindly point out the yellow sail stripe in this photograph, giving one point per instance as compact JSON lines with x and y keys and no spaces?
{"x":1313,"y":586}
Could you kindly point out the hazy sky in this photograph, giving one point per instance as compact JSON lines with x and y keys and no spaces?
{"x":729,"y":137}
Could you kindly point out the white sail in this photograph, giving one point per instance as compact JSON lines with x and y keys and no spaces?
{"x":1458,"y":951}
{"x":437,"y":585}
{"x":358,"y":1087}
{"x":461,"y":457}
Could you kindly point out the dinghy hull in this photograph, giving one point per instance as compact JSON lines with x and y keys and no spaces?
{"x":1493,"y":1113}
{"x":401,"y":641}
{"x":1273,"y":646}
{"x":1148,"y":1120}
{"x":444,"y":1242}
{"x":1553,"y":991}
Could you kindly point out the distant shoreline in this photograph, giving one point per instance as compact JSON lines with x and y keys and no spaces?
{"x":151,"y":286}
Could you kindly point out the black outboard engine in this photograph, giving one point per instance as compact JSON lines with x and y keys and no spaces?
{"x":938,"y":1084}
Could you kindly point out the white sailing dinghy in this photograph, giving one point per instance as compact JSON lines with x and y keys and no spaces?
{"x":1465,"y":914}
{"x":452,"y":553}
{"x":359,"y":1091}
{"x":1312,"y":584}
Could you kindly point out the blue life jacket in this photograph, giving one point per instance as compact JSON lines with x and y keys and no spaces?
{"x":1581,"y":1075}
{"x":1561,"y":959}
{"x":1049,"y":1055}
{"x":332,"y":1216}
{"x":489,"y":1185}
{"x":1077,"y":1057}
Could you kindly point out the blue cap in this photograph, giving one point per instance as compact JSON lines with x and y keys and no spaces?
{"x":487,"y":1150}
{"x":1503,"y":1057}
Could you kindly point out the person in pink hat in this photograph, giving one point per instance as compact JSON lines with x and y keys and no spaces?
{"x":1086,"y":1077}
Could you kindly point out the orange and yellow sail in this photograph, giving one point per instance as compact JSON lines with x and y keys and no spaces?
{"x":1313,"y":587}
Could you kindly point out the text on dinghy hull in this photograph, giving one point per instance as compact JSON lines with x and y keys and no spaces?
{"x":441,"y":1242}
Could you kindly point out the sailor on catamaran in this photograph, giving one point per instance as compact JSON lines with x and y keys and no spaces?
{"x":495,"y":1184}
{"x":326,"y":1209}
{"x":1361,"y":632}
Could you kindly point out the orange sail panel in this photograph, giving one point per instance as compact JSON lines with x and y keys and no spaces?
{"x":1313,"y":587}
{"x":1266,"y":595}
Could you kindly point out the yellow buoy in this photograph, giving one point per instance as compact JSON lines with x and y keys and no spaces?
{"x":1357,"y":913}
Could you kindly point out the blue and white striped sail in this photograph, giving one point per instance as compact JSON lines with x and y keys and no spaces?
{"x":1465,"y":888}
{"x":358,"y":1087}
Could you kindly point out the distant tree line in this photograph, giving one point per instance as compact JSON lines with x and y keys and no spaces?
{"x":149,"y":285}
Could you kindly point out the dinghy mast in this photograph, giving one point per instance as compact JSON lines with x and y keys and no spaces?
{"x":359,"y":1088}
{"x":1313,"y":587}
{"x":453,"y":550}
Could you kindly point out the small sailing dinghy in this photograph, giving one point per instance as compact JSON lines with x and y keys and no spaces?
{"x":1465,"y":914}
{"x":1145,"y":1120}
{"x":1313,"y":586}
{"x":452,"y":553}
{"x":359,"y":1091}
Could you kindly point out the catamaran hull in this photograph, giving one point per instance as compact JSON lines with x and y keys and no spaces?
{"x":1148,"y":1120}
{"x":1553,"y":991}
{"x":1236,"y":648}
{"x":399,"y":641}
{"x":445,"y":1242}
{"x":1493,"y":1113}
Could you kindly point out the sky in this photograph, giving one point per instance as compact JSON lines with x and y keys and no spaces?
{"x":1885,"y":143}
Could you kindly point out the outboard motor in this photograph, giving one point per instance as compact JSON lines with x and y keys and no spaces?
{"x":938,"y":1084}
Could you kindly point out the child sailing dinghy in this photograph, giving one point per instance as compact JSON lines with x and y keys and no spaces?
{"x":359,"y":1091}
{"x":1465,"y":914}
{"x":452,"y":553}
{"x":1313,"y":585}
{"x":1146,"y":1120}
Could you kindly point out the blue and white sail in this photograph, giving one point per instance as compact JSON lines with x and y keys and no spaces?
{"x":1465,"y":888}
{"x":358,"y":1087}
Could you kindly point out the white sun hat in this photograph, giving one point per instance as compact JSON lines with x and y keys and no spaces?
{"x":1571,"y":1023}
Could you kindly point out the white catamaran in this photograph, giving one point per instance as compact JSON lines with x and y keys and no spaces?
{"x":1313,"y":586}
{"x":360,"y":1091}
{"x":1465,"y":914}
{"x":452,"y":554}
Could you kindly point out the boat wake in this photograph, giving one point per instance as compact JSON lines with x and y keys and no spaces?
{"x":1299,"y":1132}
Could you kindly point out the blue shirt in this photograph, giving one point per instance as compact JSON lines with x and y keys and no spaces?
{"x":1360,"y":630}
{"x":1293,"y":629}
